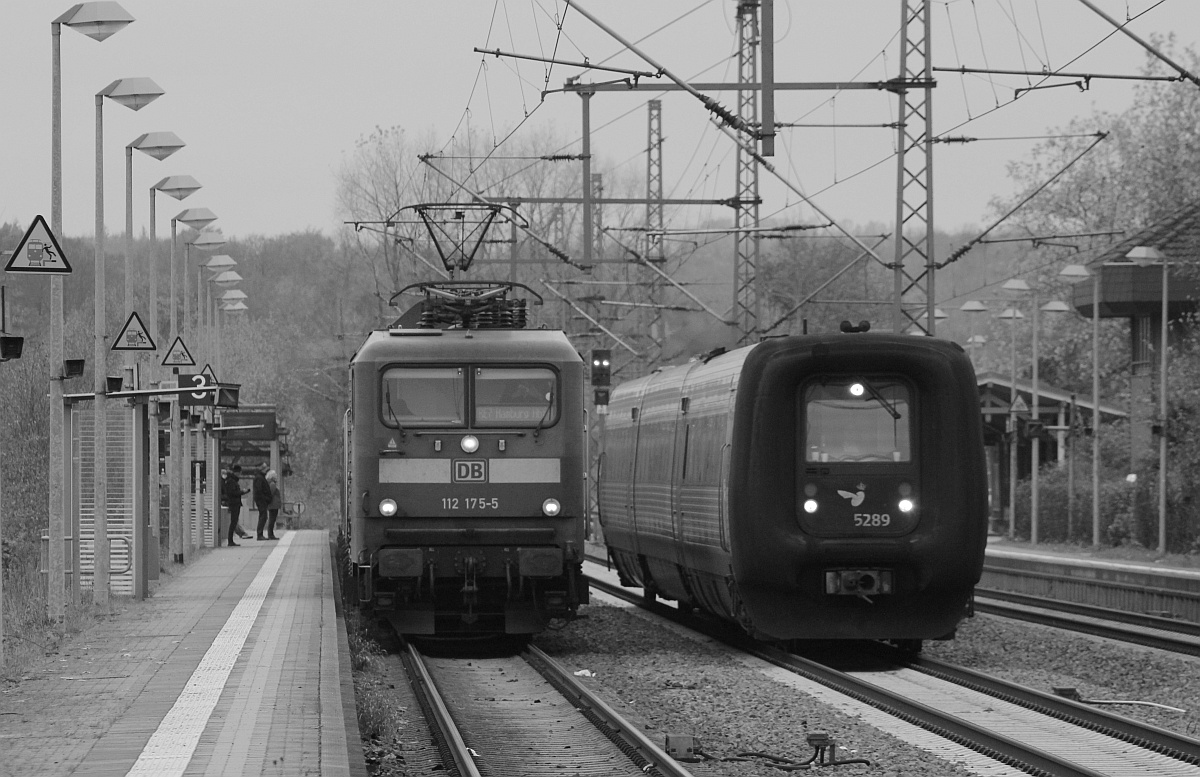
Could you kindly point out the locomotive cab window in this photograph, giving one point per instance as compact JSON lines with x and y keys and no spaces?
{"x":857,"y":420}
{"x":423,"y":396}
{"x":515,"y":396}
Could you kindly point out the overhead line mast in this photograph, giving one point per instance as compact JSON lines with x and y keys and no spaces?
{"x":914,"y":211}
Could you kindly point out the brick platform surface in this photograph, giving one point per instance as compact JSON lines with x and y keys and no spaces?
{"x":236,"y":666}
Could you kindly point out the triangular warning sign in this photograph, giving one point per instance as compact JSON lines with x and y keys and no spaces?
{"x":38,"y":251}
{"x":178,"y":355}
{"x":1019,"y":406}
{"x":134,"y":336}
{"x":208,"y":373}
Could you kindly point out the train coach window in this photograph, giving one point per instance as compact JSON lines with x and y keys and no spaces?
{"x":515,"y":396}
{"x":857,"y":421}
{"x":423,"y":396}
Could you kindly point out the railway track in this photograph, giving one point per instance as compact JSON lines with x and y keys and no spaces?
{"x":524,"y":714}
{"x":1032,"y":732}
{"x":1176,"y":636}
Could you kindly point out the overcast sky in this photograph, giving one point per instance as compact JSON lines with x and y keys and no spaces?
{"x":271,"y":96}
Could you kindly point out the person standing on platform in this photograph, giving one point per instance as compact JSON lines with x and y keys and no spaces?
{"x":262,"y":498}
{"x":275,"y":504}
{"x":231,"y":494}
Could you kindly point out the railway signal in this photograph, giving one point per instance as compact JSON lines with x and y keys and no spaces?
{"x":601,"y":367}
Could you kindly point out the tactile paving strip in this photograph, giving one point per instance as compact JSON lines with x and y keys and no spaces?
{"x":171,"y":746}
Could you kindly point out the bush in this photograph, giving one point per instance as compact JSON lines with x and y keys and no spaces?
{"x":1128,"y":513}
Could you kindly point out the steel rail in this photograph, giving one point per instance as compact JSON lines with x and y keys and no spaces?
{"x":450,"y":741}
{"x":1144,"y":735}
{"x":627,"y":736}
{"x":1030,"y":759}
{"x":1170,"y":635}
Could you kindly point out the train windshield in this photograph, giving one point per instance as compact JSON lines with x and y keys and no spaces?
{"x":423,"y":396}
{"x":515,"y":396}
{"x":857,"y":420}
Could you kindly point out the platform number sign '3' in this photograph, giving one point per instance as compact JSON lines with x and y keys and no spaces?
{"x":197,"y":380}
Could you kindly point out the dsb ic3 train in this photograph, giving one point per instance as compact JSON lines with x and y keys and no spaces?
{"x":465,"y":448}
{"x":807,"y":487}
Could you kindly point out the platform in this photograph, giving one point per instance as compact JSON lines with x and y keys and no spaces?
{"x":236,"y":666}
{"x":1140,"y":587}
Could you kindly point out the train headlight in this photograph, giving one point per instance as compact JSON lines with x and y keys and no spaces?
{"x":469,"y":443}
{"x":551,"y":508}
{"x":810,"y":505}
{"x":387,"y":508}
{"x":906,"y":505}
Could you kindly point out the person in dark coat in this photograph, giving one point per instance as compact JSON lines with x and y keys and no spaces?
{"x":231,"y":494}
{"x":262,"y":498}
{"x":276,"y":503}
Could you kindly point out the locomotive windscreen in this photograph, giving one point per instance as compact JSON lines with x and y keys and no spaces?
{"x":856,"y":420}
{"x":438,"y":396}
{"x":423,"y":396}
{"x":515,"y":396}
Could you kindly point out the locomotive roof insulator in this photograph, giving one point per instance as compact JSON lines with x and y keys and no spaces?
{"x":466,"y":305}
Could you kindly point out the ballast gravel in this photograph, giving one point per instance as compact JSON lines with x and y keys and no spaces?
{"x":672,"y":684}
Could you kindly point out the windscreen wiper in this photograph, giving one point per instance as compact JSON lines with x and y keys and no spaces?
{"x":387,"y":401}
{"x":882,"y":400}
{"x":549,"y":406}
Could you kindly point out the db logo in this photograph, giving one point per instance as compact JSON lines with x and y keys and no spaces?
{"x":470,"y":471}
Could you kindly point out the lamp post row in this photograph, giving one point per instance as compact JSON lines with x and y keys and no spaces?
{"x":1143,"y":256}
{"x":100,"y":20}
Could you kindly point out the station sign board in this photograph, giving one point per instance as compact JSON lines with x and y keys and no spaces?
{"x":249,"y":425}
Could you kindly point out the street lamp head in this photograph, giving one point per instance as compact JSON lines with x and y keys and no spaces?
{"x":1074,"y":273}
{"x":1056,"y":306}
{"x":220,"y":263}
{"x":227,"y":278}
{"x":206,"y":240}
{"x":973,"y":306}
{"x":1015,"y":284}
{"x":133,"y":93}
{"x":196,"y":218}
{"x":234,"y":307}
{"x":233,"y":295}
{"x":178,"y":186}
{"x":97,"y":20}
{"x":159,"y":145}
{"x":1012,"y":313}
{"x":1145,"y":256}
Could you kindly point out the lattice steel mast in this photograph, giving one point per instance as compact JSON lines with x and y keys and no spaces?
{"x":746,"y":243}
{"x":913,"y":266}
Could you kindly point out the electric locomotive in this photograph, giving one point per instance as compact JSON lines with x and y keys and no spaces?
{"x":806,"y":487}
{"x":466,"y":440}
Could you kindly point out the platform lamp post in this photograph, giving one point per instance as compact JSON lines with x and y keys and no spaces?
{"x":135,"y":94}
{"x":233,"y":301}
{"x":1012,"y":314}
{"x":221,"y":273}
{"x":98,"y":21}
{"x":158,"y":145}
{"x":207,"y":240}
{"x":1148,"y":256}
{"x":1073,"y":273}
{"x":1053,"y":306}
{"x":180,"y":541}
{"x":215,"y":266}
{"x":180,"y":187}
{"x":972,"y":307}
